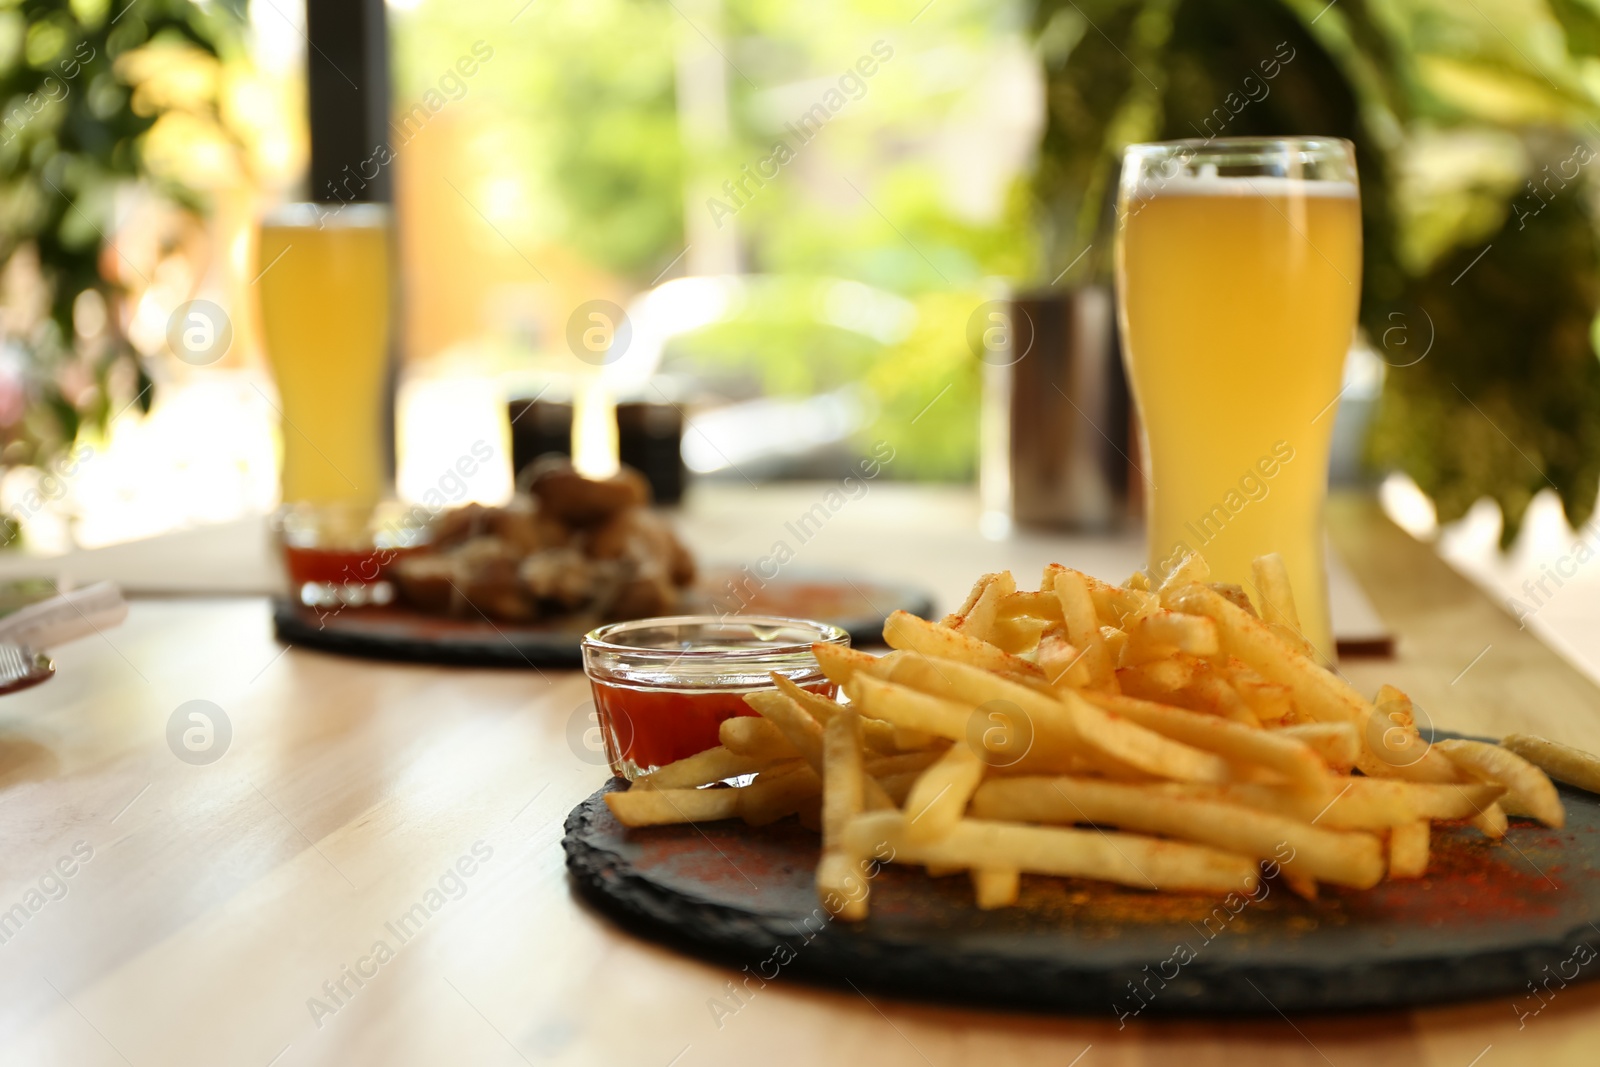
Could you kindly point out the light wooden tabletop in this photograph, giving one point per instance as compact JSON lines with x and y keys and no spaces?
{"x":208,"y":904}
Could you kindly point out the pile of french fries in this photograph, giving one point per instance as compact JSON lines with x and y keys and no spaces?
{"x":1172,"y":738}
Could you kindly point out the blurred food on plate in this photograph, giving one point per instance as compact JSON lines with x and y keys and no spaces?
{"x":565,"y":546}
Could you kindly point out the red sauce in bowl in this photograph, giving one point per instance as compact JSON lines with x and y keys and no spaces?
{"x":654,"y":727}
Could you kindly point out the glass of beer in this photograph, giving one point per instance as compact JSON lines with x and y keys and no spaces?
{"x":323,"y":275}
{"x":1238,"y":280}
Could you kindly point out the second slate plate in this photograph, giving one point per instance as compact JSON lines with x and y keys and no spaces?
{"x":859,"y":605}
{"x":1487,"y":920}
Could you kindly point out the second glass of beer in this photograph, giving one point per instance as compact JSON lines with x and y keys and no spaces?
{"x":323,"y":275}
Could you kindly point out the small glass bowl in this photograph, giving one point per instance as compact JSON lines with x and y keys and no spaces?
{"x":336,"y":555}
{"x":662,"y":687}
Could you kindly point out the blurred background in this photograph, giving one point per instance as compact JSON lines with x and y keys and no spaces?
{"x":803,"y":216}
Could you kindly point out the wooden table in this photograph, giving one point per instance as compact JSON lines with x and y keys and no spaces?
{"x":216,"y":900}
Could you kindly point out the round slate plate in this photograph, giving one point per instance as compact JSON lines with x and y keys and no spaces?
{"x":1487,"y":920}
{"x":858,"y":605}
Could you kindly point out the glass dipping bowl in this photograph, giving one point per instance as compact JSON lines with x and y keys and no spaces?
{"x":337,"y":555}
{"x":662,"y":687}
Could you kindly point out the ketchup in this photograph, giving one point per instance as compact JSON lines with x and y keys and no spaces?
{"x":654,"y":727}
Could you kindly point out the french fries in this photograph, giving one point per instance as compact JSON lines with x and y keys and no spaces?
{"x":1408,"y":849}
{"x":1180,"y":737}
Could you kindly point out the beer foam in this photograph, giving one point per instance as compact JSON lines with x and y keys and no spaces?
{"x":1255,"y":185}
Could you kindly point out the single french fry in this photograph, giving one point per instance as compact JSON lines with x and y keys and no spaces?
{"x":814,"y":704}
{"x":1408,"y":850}
{"x":1028,"y":604}
{"x":1297,"y":762}
{"x":1142,"y":749}
{"x":842,"y":885}
{"x":996,"y":887}
{"x":1010,"y":718}
{"x":1528,"y":790}
{"x":939,"y":798}
{"x":1357,"y":804}
{"x":980,"y":621}
{"x":1336,"y":742}
{"x":1296,"y":641}
{"x":1116,"y":641}
{"x":1190,"y":569}
{"x":840,"y":662}
{"x":703,"y":768}
{"x":1083,"y":625}
{"x":1276,"y":603}
{"x":753,"y":736}
{"x":955,"y":618}
{"x":1431,"y":766}
{"x":1275,"y":600}
{"x":1018,"y":636}
{"x":1126,"y":859}
{"x":843,"y":777}
{"x":1138,"y":581}
{"x":777,"y":792}
{"x":663,"y":807}
{"x":1561,"y":762}
{"x":1344,"y":858}
{"x":1063,"y":663}
{"x":843,"y":798}
{"x":1235,"y":595}
{"x":797,"y":726}
{"x":905,"y":631}
{"x":908,"y":709}
{"x":1427,"y":800}
{"x":1492,"y":822}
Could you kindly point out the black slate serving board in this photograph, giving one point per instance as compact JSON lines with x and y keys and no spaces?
{"x":858,"y":605}
{"x":1488,"y":920}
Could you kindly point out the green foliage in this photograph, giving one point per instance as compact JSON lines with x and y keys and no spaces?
{"x":1469,"y":125}
{"x":69,"y":138}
